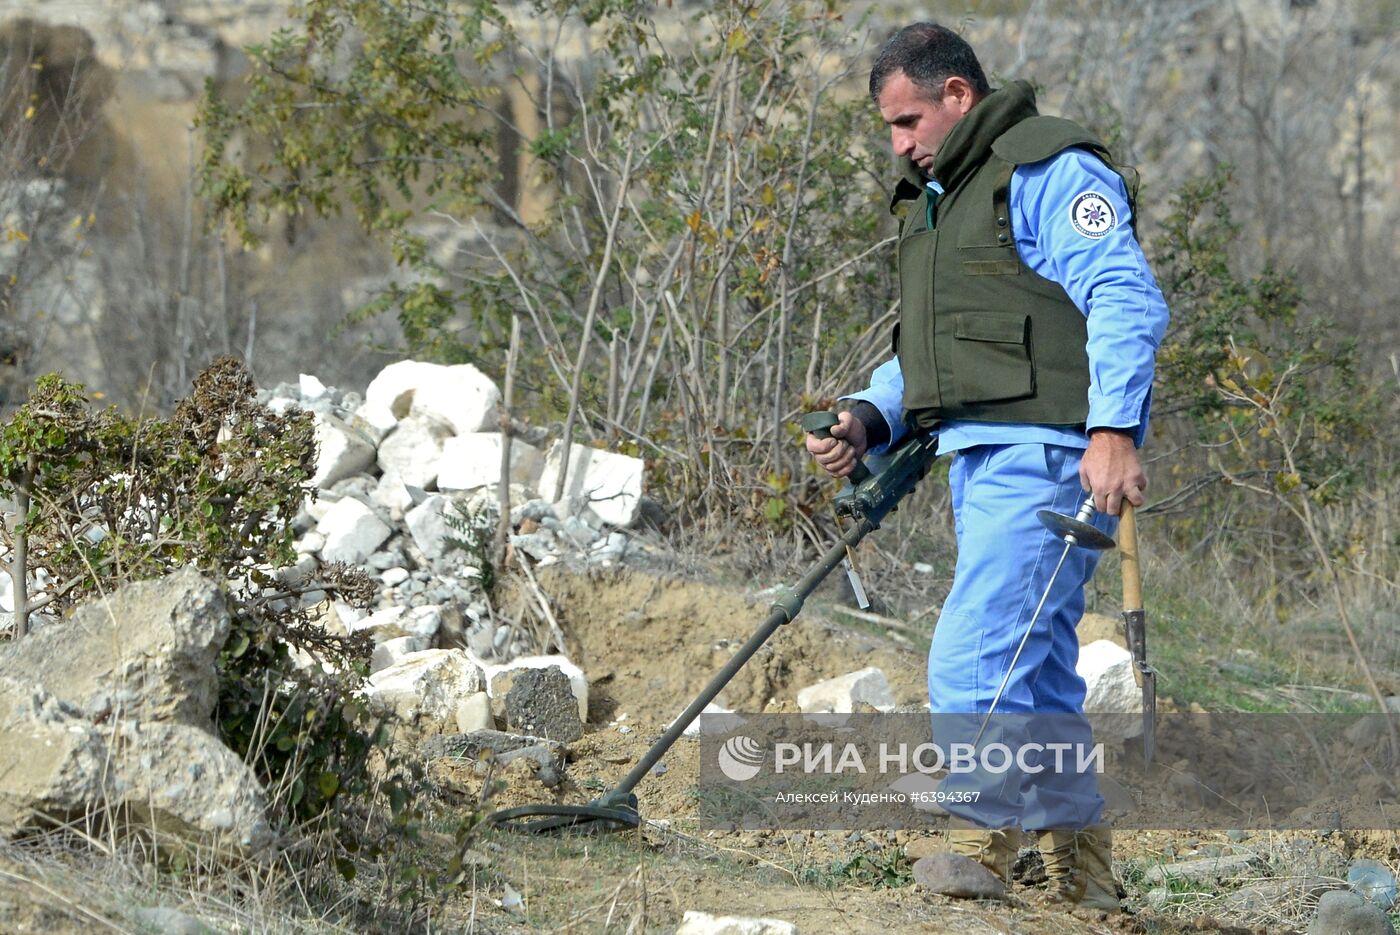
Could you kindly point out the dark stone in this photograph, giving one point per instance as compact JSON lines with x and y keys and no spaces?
{"x":1343,"y":913}
{"x":957,"y":876}
{"x":540,"y":702}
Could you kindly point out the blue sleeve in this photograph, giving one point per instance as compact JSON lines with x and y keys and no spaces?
{"x":886,"y":393}
{"x":1072,"y":224}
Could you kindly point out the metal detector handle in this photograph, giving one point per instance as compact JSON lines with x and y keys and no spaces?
{"x":820,"y":425}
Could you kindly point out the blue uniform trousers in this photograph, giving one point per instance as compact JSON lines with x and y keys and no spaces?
{"x":1005,"y":559}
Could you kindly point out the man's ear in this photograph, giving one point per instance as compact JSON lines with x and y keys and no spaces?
{"x":959,"y":94}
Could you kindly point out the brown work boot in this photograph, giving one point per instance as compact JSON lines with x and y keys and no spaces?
{"x":1079,"y":867}
{"x":993,"y":848}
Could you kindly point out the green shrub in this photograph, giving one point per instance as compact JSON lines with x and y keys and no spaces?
{"x":104,"y":499}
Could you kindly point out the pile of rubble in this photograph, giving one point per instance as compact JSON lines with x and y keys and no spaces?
{"x":408,"y":480}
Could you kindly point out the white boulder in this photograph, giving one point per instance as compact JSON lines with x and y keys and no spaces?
{"x":474,"y":713}
{"x":839,"y":695}
{"x":377,"y":421}
{"x":310,"y":386}
{"x":713,"y":719}
{"x":392,"y":623}
{"x":427,"y":524}
{"x":391,"y":495}
{"x":474,"y":460}
{"x":1113,"y":700}
{"x":352,"y":532}
{"x":412,"y":450}
{"x":460,"y":395}
{"x":610,"y":483}
{"x":424,"y":689}
{"x":341,"y":451}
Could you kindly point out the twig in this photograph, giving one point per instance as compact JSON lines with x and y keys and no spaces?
{"x":543,"y":601}
{"x":878,"y":620}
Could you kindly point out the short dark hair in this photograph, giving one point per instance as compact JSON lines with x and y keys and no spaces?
{"x":929,"y":54}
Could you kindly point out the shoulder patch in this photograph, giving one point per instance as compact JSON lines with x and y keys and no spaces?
{"x":1092,"y":215}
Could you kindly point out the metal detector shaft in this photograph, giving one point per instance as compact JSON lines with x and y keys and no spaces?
{"x":868,"y":504}
{"x":787,"y":607}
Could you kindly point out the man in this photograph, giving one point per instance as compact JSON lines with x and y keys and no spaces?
{"x":1027,"y":340}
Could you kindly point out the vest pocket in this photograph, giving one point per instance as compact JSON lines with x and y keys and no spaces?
{"x":991,"y":357}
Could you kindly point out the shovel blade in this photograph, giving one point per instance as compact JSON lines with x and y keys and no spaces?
{"x":1149,"y":713}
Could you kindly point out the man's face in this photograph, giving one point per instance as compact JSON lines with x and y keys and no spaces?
{"x":919,"y":125}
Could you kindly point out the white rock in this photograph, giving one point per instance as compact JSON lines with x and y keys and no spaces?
{"x":311,"y":387}
{"x":1114,"y":699}
{"x":318,"y":508}
{"x":610,"y":483}
{"x":391,"y":495}
{"x":474,"y":713}
{"x":394,"y":576}
{"x":347,"y":614}
{"x":352,"y":532}
{"x":394,"y":622}
{"x":461,"y":395}
{"x":836,"y":696}
{"x":391,"y":652}
{"x":424,"y":621}
{"x":376,"y":420}
{"x":310,"y":544}
{"x":383,"y":624}
{"x":427,"y":524}
{"x":500,"y":677}
{"x":473,"y":460}
{"x":702,"y":923}
{"x":1204,"y":869}
{"x":412,"y":450}
{"x":425,"y":688}
{"x":341,"y":451}
{"x":713,"y":719}
{"x":7,"y":593}
{"x":393,"y":388}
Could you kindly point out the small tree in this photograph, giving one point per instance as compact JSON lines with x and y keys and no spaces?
{"x":692,"y":242}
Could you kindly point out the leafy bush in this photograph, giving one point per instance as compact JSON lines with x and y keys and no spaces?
{"x":104,"y":499}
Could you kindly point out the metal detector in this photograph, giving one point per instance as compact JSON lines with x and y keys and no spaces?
{"x":873,"y":497}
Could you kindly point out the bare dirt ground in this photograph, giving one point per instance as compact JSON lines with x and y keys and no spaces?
{"x":649,"y":644}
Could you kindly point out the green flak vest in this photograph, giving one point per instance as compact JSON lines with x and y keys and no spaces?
{"x":981,"y":336}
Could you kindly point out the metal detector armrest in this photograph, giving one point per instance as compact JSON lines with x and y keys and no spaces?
{"x":876,"y":497}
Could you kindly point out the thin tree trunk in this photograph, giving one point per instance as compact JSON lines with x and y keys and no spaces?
{"x":507,"y":433}
{"x":594,"y":300}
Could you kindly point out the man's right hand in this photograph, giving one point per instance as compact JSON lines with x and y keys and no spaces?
{"x":839,"y":453}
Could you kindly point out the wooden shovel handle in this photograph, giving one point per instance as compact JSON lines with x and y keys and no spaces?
{"x":1128,"y":549}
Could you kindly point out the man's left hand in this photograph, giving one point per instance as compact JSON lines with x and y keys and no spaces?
{"x":1111,"y":470}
